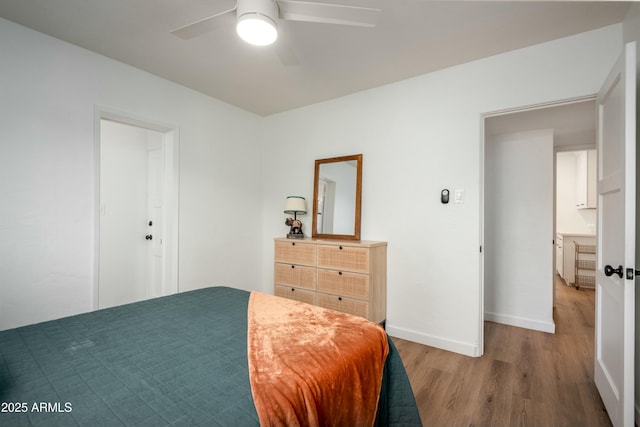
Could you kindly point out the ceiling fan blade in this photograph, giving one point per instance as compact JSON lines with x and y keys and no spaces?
{"x":201,"y":26}
{"x":328,"y":13}
{"x":285,"y":51}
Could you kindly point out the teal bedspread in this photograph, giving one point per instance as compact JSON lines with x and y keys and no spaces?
{"x":175,"y":360}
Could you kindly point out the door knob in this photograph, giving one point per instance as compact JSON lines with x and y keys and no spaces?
{"x":609,"y":271}
{"x":148,"y":237}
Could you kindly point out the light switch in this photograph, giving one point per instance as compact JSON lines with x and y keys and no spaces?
{"x":458,"y":196}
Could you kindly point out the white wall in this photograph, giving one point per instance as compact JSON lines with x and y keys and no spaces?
{"x":518,"y":229}
{"x":49,"y":91}
{"x":417,"y":137}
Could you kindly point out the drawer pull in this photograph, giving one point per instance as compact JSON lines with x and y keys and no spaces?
{"x":293,"y":266}
{"x":339,"y":298}
{"x":340,"y":247}
{"x":340,"y":273}
{"x":292,"y":289}
{"x":293,"y":243}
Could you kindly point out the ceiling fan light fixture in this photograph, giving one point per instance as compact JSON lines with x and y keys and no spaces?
{"x":257,"y":29}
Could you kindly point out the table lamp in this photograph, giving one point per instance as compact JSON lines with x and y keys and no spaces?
{"x":295,"y":205}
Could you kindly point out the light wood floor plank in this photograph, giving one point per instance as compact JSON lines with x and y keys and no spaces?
{"x":525,"y":378}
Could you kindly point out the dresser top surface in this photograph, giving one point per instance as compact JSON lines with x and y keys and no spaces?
{"x":360,"y":243}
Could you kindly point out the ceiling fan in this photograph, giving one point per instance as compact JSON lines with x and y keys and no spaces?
{"x":256,"y":20}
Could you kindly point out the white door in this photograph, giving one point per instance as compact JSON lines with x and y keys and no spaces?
{"x":155,"y":253}
{"x":614,"y":340}
{"x":130,"y":263}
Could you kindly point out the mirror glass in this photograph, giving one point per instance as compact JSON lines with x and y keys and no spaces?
{"x":336,"y":198}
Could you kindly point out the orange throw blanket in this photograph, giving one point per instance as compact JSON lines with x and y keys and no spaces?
{"x":310,"y":366}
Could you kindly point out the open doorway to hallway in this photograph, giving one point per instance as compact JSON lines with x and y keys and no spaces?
{"x":137,"y":197}
{"x":519,"y":213}
{"x":576,"y":215}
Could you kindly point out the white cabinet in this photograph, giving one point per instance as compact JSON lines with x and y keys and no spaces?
{"x":586,"y":194}
{"x":568,"y":268}
{"x":559,"y":255}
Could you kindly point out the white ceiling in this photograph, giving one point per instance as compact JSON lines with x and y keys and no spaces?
{"x":412,"y":37}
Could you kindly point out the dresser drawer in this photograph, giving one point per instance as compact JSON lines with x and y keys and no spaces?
{"x":340,"y":257}
{"x":342,"y":275}
{"x":299,"y":276}
{"x":295,"y":253}
{"x":295,"y":294}
{"x":344,"y":305}
{"x":343,"y":283}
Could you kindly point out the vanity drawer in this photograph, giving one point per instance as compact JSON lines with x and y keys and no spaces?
{"x":343,"y":283}
{"x":296,"y":294}
{"x":344,"y":305}
{"x":295,"y":275}
{"x":342,"y":257}
{"x":295,"y":253}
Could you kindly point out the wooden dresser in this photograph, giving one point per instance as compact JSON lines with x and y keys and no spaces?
{"x":347,"y":276}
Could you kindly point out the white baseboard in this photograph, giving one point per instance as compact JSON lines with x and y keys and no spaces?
{"x":521,"y":322}
{"x":469,"y":349}
{"x":465,"y":348}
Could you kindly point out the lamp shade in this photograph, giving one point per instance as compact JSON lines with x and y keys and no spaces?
{"x":295,"y":205}
{"x":257,"y":29}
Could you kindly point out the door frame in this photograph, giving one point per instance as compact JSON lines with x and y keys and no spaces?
{"x":481,"y":192}
{"x":171,"y":151}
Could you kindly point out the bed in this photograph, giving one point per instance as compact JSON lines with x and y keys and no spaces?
{"x":175,"y":360}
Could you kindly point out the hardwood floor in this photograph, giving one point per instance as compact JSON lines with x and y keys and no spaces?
{"x":525,"y":378}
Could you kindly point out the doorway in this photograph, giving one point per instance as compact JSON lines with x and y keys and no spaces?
{"x":137,"y":195}
{"x":519,"y":222}
{"x":576,"y":215}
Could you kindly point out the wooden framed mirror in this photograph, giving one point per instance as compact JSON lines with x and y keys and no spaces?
{"x":337,"y":189}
